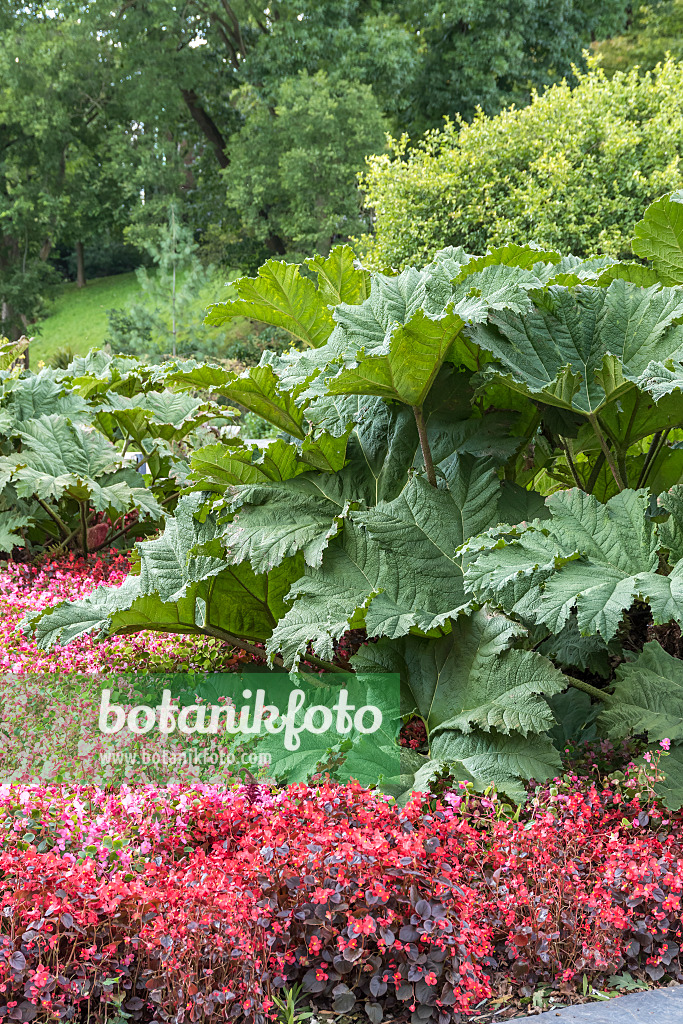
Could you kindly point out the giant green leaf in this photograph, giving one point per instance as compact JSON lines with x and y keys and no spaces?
{"x":226,"y":463}
{"x":647,"y":697}
{"x":571,"y":649}
{"x":279,"y":295}
{"x":394,"y":566}
{"x":384,"y":446}
{"x":339,"y":279}
{"x":100,"y":373}
{"x":163,"y":414}
{"x":56,"y":446}
{"x":470,"y":677}
{"x":218,"y":466}
{"x":60,"y":459}
{"x":183,"y":585}
{"x":593,"y":558}
{"x":276,"y":521}
{"x":395,"y":343}
{"x":671,"y":531}
{"x":10,"y":525}
{"x":513,"y":255}
{"x":575,"y":718}
{"x":506,"y":761}
{"x":331,"y":598}
{"x":659,"y":237}
{"x":406,"y":367}
{"x":573,"y":270}
{"x":257,"y":389}
{"x":30,"y":397}
{"x":304,"y":512}
{"x":189,"y":375}
{"x":581,"y":347}
{"x":428,"y":524}
{"x":508,"y":696}
{"x":634,"y":272}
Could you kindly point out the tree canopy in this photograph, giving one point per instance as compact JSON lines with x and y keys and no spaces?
{"x":257,"y":118}
{"x":655,"y":31}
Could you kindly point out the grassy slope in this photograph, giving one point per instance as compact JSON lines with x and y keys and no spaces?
{"x":78,"y":318}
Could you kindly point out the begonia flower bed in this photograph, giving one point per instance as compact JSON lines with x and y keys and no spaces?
{"x":197,"y":902}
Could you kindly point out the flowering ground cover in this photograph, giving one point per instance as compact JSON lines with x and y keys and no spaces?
{"x":200,"y":901}
{"x":27,"y":588}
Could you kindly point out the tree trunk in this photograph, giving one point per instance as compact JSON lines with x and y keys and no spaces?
{"x":80,"y":266}
{"x":207,"y":125}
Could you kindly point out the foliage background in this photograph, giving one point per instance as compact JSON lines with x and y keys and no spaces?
{"x":254,"y":119}
{"x":574,"y":170}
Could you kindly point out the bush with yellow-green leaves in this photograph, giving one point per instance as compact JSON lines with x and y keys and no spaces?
{"x":574,"y":171}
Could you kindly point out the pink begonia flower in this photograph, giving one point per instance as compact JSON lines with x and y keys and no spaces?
{"x":665,"y":744}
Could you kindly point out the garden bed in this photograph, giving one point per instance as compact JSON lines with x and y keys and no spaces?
{"x":28,"y":588}
{"x":201,"y":900}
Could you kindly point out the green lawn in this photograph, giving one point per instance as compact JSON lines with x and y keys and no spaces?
{"x":78,"y":316}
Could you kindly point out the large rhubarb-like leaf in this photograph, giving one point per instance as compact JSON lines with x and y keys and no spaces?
{"x":659,"y":237}
{"x":257,"y":389}
{"x":339,"y":279}
{"x":470,"y":677}
{"x":276,"y":521}
{"x":59,"y":459}
{"x":394,"y":566}
{"x":182,"y":585}
{"x":278,"y":516}
{"x":395,"y":343}
{"x":11,"y":523}
{"x":581,"y":347}
{"x":219,"y":466}
{"x":281,"y":296}
{"x":506,"y":761}
{"x":163,"y":414}
{"x":647,"y":697}
{"x":31,"y":397}
{"x":592,"y":558}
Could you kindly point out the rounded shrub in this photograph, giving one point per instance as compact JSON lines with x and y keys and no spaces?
{"x":574,"y":171}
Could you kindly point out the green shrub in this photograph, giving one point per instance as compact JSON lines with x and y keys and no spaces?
{"x":574,"y":170}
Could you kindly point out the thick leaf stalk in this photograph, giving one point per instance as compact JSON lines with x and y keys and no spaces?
{"x":424,"y":444}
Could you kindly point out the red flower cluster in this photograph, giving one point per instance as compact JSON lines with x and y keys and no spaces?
{"x":412,"y":913}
